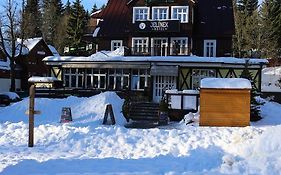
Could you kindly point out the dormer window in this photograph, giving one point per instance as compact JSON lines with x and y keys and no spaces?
{"x":160,"y":13}
{"x":140,"y":14}
{"x":180,"y":13}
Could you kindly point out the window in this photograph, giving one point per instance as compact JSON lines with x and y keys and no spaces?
{"x":179,"y":46}
{"x":199,"y":74}
{"x":140,"y":79}
{"x":95,"y":78}
{"x":160,"y":13}
{"x":180,"y":13}
{"x":140,"y":45}
{"x":115,"y":44}
{"x":210,"y":47}
{"x":74,"y":78}
{"x":118,"y":79}
{"x":140,"y":14}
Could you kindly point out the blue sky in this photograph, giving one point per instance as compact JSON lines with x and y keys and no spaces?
{"x":88,"y":4}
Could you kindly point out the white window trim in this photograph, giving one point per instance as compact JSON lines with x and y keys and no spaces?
{"x":140,"y":38}
{"x":180,"y":38}
{"x":163,"y":45}
{"x":116,"y":41}
{"x":134,"y":12}
{"x":160,"y":7}
{"x":172,"y":13}
{"x":215,"y":47}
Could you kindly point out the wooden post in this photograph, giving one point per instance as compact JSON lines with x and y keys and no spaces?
{"x":31,"y":116}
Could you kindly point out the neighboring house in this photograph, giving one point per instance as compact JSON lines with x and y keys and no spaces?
{"x":33,"y":65}
{"x":28,"y":64}
{"x":162,"y":28}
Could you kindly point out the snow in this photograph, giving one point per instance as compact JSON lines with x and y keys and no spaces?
{"x":226,"y":83}
{"x":118,"y":55}
{"x":8,"y":48}
{"x":54,"y":50}
{"x":35,"y":79}
{"x":30,"y":43}
{"x":11,"y":95}
{"x":270,"y":78}
{"x":87,"y":147}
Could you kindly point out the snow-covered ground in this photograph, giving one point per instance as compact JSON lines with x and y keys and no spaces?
{"x":270,"y":78}
{"x":86,"y":147}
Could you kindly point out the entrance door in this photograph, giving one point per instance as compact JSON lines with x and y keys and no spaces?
{"x":160,"y":84}
{"x":159,"y":46}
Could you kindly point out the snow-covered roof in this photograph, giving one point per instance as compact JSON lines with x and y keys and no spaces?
{"x":225,"y":83}
{"x":54,"y":50}
{"x":31,"y":42}
{"x":118,"y":55}
{"x":96,"y":12}
{"x":8,"y":48}
{"x":42,"y":79}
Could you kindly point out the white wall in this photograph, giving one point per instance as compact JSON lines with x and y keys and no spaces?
{"x":5,"y":84}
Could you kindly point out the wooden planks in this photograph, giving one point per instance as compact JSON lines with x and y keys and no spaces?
{"x":224,"y":107}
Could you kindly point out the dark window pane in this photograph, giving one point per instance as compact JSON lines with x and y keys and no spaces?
{"x":135,"y":80}
{"x":89,"y":71}
{"x":118,"y":83}
{"x":126,"y":71}
{"x":142,"y":82}
{"x":95,"y":71}
{"x":95,"y":81}
{"x":142,"y":71}
{"x":73,"y":71}
{"x":73,"y":81}
{"x":66,"y":71}
{"x":89,"y":84}
{"x":111,"y":83}
{"x":135,"y":72}
{"x":111,"y":71}
{"x":119,"y":71}
{"x":66,"y":81}
{"x":81,"y":71}
{"x":80,"y":81}
{"x":102,"y":82}
{"x":102,"y":71}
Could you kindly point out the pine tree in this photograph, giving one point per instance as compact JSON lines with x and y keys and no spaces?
{"x":76,"y":24}
{"x":255,"y":114}
{"x":95,"y":8}
{"x":32,"y":16}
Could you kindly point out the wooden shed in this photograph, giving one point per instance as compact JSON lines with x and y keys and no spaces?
{"x":225,"y":102}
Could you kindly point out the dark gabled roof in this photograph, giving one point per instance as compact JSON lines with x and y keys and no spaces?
{"x":115,"y":19}
{"x":214,"y":18}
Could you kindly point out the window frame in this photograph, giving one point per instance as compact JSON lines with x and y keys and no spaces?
{"x":186,"y":49}
{"x":205,"y":50}
{"x":141,"y":49}
{"x":201,"y":76}
{"x":180,"y":7}
{"x":116,"y":41}
{"x":138,"y":8}
{"x":158,"y":14}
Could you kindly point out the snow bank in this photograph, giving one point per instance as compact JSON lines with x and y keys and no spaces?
{"x":11,"y":95}
{"x":226,"y":83}
{"x":84,"y":110}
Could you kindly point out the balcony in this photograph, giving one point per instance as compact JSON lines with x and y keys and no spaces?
{"x":159,"y":51}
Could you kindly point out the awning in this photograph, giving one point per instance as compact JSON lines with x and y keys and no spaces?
{"x":164,"y":71}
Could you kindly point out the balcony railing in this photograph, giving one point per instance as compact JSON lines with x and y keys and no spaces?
{"x":159,"y":51}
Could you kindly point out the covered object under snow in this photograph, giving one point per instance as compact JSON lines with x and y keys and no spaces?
{"x":225,"y":102}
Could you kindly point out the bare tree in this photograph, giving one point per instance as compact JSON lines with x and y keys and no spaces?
{"x":10,"y":29}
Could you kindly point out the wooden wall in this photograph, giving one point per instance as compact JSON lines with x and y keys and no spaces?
{"x":224,"y":107}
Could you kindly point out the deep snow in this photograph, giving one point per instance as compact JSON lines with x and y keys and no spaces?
{"x":87,"y":147}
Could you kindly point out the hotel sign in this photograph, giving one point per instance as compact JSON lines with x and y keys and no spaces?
{"x":157,"y":26}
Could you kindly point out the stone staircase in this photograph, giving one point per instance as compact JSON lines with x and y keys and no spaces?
{"x":144,"y":111}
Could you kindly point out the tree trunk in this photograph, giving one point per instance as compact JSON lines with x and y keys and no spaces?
{"x":12,"y":76}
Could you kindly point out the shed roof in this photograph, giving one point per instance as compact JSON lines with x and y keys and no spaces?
{"x":225,"y":83}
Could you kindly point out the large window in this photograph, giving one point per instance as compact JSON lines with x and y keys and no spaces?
{"x":140,"y":79}
{"x":140,"y":45}
{"x":199,"y":74}
{"x":96,"y":78}
{"x":74,"y":77}
{"x":115,"y":44}
{"x":179,"y":46}
{"x":180,"y":13}
{"x":140,"y":14}
{"x":160,"y":13}
{"x":118,"y":79}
